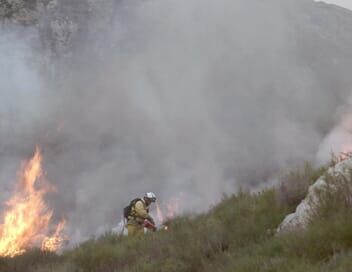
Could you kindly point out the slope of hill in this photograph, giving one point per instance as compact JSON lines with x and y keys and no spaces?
{"x":238,"y":235}
{"x":269,"y":80}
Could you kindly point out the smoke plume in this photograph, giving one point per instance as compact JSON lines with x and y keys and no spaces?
{"x":188,"y":98}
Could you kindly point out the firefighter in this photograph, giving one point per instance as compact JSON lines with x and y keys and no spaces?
{"x":139,"y":216}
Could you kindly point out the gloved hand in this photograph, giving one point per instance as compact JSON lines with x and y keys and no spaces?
{"x":149,"y":225}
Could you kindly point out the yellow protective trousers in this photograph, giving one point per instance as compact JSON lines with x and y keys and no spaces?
{"x":135,"y":230}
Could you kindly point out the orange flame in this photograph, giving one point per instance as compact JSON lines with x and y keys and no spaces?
{"x":27,"y":218}
{"x":54,"y":242}
{"x":159,"y":214}
{"x":345,"y":153}
{"x":171,"y":210}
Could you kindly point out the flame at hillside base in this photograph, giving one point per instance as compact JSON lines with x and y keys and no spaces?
{"x":54,"y":242}
{"x":26,"y":221}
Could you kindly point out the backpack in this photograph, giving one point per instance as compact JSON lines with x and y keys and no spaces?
{"x":127,"y":211}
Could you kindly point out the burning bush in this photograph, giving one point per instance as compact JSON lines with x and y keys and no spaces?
{"x":27,"y":218}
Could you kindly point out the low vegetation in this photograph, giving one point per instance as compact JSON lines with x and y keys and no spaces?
{"x":237,"y":235}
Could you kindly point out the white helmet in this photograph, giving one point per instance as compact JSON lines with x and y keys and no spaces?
{"x":151,"y":196}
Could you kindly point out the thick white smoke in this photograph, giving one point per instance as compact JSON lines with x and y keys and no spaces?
{"x":190,"y":99}
{"x":339,"y":139}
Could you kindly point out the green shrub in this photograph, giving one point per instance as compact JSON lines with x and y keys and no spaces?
{"x":237,"y":235}
{"x":30,"y":261}
{"x":295,"y":183}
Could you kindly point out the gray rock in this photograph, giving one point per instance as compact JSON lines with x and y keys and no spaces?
{"x":300,"y":218}
{"x":18,"y":11}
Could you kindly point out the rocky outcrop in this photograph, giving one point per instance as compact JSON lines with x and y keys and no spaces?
{"x":18,"y":11}
{"x":62,"y":23}
{"x":59,"y":23}
{"x":300,"y":218}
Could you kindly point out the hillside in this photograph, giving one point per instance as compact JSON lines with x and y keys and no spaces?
{"x":188,"y":99}
{"x":238,"y":235}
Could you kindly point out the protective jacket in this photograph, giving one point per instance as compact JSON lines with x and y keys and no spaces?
{"x":139,"y":212}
